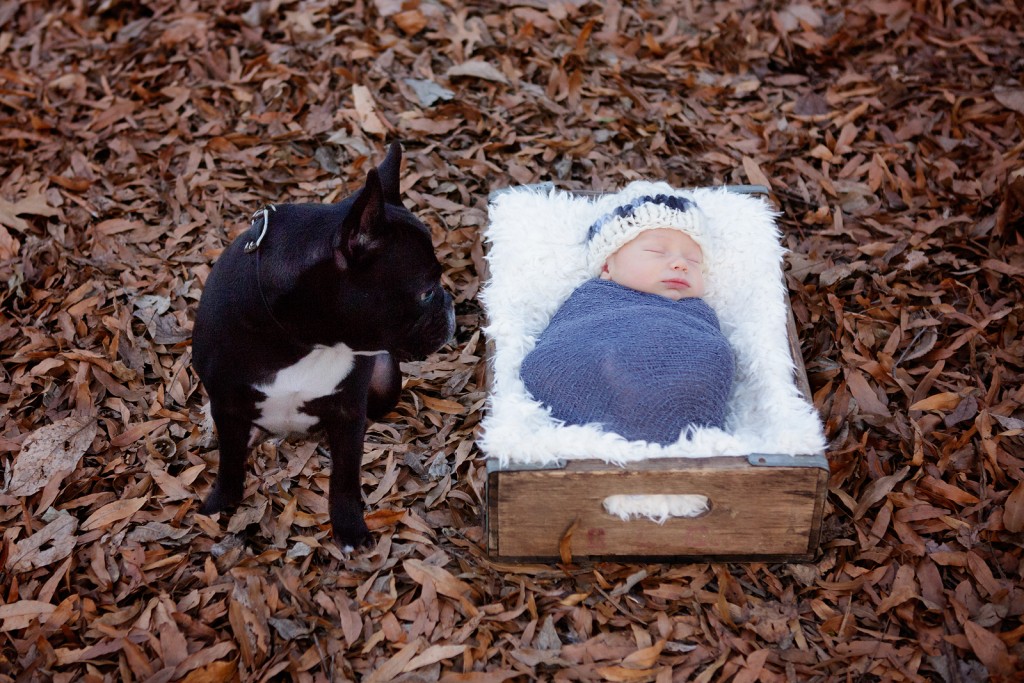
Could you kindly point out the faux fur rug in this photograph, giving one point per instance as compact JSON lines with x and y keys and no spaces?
{"x":537,"y":258}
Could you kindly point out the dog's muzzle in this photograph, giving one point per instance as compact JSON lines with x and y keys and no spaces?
{"x":433,"y":329}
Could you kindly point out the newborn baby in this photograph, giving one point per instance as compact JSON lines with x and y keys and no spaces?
{"x":636,"y":349}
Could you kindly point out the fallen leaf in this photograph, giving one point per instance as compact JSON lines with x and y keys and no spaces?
{"x":754,"y":173}
{"x":904,"y":588}
{"x":17,"y":615}
{"x":443,"y":405}
{"x":477,"y":68}
{"x":428,"y":92}
{"x":947,"y":400}
{"x":444,"y":581}
{"x":366,"y":110}
{"x":411,"y":22}
{"x":137,"y":431}
{"x":380,"y":519}
{"x":9,"y":245}
{"x":751,"y":673}
{"x":395,"y":665}
{"x":867,"y":399}
{"x":878,"y":490}
{"x":217,"y":672}
{"x":429,"y":126}
{"x":989,"y":648}
{"x":621,"y":674}
{"x":112,"y":513}
{"x":53,"y":542}
{"x":387,"y":8}
{"x":1011,"y":98}
{"x":644,"y":658}
{"x":547,"y":638}
{"x":31,"y":205}
{"x":433,"y":655}
{"x":1013,"y":510}
{"x":811,"y":104}
{"x":51,"y":453}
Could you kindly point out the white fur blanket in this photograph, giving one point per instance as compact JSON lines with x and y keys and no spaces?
{"x":536,"y":257}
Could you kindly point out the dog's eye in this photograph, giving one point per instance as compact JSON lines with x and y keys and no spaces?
{"x":427,"y":296}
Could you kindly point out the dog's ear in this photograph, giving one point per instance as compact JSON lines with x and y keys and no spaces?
{"x":389,"y":171}
{"x":363,"y":229}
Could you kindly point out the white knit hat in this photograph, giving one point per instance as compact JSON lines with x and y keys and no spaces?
{"x":648,"y":212}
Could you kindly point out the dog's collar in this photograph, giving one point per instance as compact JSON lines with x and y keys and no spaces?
{"x":253,"y":246}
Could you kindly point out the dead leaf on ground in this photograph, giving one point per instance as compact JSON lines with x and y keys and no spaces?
{"x":51,"y":452}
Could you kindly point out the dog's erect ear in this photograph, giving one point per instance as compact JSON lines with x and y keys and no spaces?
{"x":389,"y":171}
{"x":363,"y":229}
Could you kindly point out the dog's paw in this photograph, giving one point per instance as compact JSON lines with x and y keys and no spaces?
{"x":220,"y":500}
{"x":350,"y":536}
{"x":350,"y":540}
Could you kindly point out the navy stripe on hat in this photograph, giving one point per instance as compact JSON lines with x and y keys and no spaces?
{"x":626,"y":210}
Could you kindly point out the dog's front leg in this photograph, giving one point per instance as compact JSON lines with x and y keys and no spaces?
{"x":385,"y":386}
{"x":345,"y":499}
{"x":233,"y":436}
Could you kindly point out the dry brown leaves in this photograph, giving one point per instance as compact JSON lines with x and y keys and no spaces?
{"x":137,"y":138}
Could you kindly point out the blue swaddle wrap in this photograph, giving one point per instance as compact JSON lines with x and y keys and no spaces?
{"x":640,"y":365}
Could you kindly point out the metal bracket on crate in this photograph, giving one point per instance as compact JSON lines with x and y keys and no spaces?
{"x":785,"y":460}
{"x":816,"y":460}
{"x":494,"y":466}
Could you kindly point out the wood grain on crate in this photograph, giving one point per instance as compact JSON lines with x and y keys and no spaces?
{"x":756,"y":512}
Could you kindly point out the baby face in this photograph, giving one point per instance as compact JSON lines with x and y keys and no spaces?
{"x":662,"y":261}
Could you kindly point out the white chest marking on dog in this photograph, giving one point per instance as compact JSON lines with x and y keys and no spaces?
{"x":315,"y":375}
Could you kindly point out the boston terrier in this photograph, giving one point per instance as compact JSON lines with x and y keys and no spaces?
{"x":301,"y":326}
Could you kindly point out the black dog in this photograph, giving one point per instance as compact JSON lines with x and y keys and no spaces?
{"x":301,"y":326}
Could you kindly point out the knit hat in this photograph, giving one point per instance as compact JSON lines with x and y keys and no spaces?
{"x":613,"y":230}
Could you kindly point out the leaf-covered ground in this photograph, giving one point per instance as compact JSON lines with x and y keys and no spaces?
{"x":136,"y":139}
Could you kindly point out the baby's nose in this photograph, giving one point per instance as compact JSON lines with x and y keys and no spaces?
{"x":679,"y":263}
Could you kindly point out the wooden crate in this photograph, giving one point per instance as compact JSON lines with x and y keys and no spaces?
{"x":763,"y":507}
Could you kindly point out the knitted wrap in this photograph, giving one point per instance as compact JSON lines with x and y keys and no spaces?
{"x":613,"y":230}
{"x":637,"y":364}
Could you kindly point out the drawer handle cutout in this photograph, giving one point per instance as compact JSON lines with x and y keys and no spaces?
{"x":657,"y":507}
